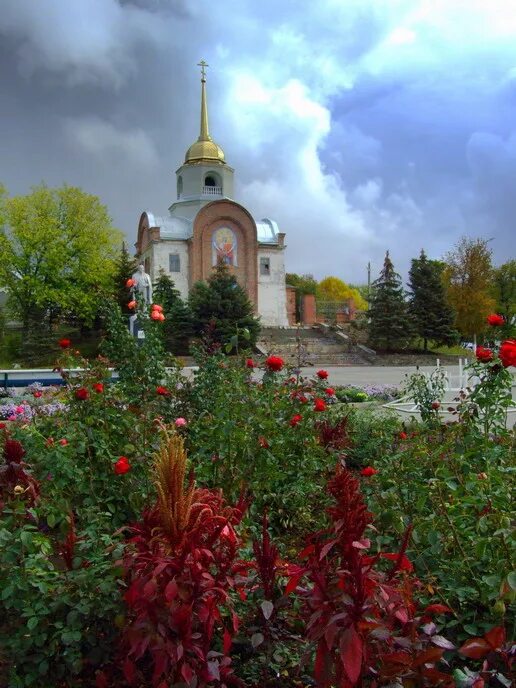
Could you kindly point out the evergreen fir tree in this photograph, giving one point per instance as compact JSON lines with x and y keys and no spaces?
{"x":220,"y":306}
{"x":177,"y":328}
{"x":125,"y":267}
{"x":390,"y":325}
{"x":432,"y":315}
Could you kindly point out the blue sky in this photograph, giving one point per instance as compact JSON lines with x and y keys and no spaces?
{"x":358,"y":125}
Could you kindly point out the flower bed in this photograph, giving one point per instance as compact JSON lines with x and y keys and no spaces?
{"x":229,"y":532}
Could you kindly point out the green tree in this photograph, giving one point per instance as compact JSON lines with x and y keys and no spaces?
{"x":125,"y":266}
{"x":57,"y":253}
{"x":433,"y":318}
{"x":220,"y":306}
{"x":177,"y":328}
{"x":390,"y":324}
{"x":468,"y":277}
{"x":504,"y":292}
{"x":305,"y":284}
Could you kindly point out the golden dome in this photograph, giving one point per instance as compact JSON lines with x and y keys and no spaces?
{"x":204,"y":149}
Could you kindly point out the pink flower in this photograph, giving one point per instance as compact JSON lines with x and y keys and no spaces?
{"x":156,"y":315}
{"x":180,"y":422}
{"x":19,"y":409}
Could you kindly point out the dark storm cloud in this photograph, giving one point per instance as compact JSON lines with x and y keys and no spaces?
{"x":359,"y":126}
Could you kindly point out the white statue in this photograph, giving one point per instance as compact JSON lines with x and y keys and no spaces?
{"x":143,"y":284}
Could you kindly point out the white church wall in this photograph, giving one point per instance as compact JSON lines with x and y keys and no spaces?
{"x":272,"y":296}
{"x":161,"y":259}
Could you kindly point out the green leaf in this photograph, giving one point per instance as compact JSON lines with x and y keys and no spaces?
{"x":32,"y":623}
{"x":511,"y":580}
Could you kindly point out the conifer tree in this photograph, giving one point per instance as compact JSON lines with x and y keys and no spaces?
{"x":125,"y":267}
{"x":177,"y":328}
{"x":432,"y":315}
{"x":390,"y":324}
{"x":220,"y":305}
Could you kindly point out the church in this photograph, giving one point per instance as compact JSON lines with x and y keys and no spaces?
{"x":205,"y":226}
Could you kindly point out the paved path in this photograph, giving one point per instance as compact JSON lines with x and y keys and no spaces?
{"x":372,"y":375}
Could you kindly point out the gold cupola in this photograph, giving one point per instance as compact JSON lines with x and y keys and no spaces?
{"x":204,"y":150}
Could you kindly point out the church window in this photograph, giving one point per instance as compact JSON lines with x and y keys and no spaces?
{"x":224,"y":247}
{"x":210,"y":181}
{"x":265,"y":266}
{"x":179,"y":186}
{"x":174,"y":263}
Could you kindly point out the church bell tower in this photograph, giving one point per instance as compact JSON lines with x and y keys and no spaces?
{"x":205,"y":176}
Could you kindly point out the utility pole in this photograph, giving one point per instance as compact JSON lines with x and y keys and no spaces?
{"x":368,"y":283}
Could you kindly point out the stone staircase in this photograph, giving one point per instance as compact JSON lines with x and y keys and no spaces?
{"x":308,"y":346}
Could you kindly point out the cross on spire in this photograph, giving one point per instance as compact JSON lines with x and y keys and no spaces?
{"x":203,"y":64}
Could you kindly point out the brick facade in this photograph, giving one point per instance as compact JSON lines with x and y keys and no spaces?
{"x":225,"y":213}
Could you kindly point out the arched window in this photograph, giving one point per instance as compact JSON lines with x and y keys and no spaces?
{"x":210,"y":181}
{"x":179,"y":186}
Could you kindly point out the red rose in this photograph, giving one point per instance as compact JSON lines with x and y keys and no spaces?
{"x":162,"y":391}
{"x":319,"y":405}
{"x":330,"y":391}
{"x":495,"y":320}
{"x":63,"y":442}
{"x":484,"y":355}
{"x":131,"y":304}
{"x":122,"y":465}
{"x":155,"y":307}
{"x":275,"y":363}
{"x":402,"y":435}
{"x":64,"y":343}
{"x":296,"y":419}
{"x":507,"y":353}
{"x":368,"y":471}
{"x":98,"y":387}
{"x":436,"y":405}
{"x":37,"y":394}
{"x":322,"y":374}
{"x":263,"y":442}
{"x":250,"y":363}
{"x":82,"y":394}
{"x":156,"y":315}
{"x":130,"y":283}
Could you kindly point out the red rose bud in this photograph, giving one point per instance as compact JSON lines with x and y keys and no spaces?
{"x":131,"y":304}
{"x":484,"y":355}
{"x":436,"y":405}
{"x":130,"y":283}
{"x":368,"y":471}
{"x":82,"y":394}
{"x":64,"y":343}
{"x":63,"y":442}
{"x":98,"y":387}
{"x":250,"y":363}
{"x":507,"y":353}
{"x":274,"y":363}
{"x":495,"y":320}
{"x":322,"y":374}
{"x":37,"y":394}
{"x":319,"y":405}
{"x":295,"y":420}
{"x":330,"y":391}
{"x":122,"y":465}
{"x":162,"y":391}
{"x":403,"y":435}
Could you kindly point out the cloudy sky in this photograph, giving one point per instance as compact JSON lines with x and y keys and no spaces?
{"x":358,"y":125}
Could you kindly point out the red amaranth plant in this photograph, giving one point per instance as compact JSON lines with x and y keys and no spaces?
{"x":266,"y":555}
{"x":363,"y":621}
{"x":15,"y":479}
{"x":180,"y":565}
{"x":334,"y":436}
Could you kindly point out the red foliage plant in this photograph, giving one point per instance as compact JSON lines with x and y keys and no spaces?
{"x":363,"y":620}
{"x":266,"y":556}
{"x":15,"y":479}
{"x":180,"y":564}
{"x":334,"y":436}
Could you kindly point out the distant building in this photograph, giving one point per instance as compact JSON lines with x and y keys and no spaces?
{"x":205,"y":226}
